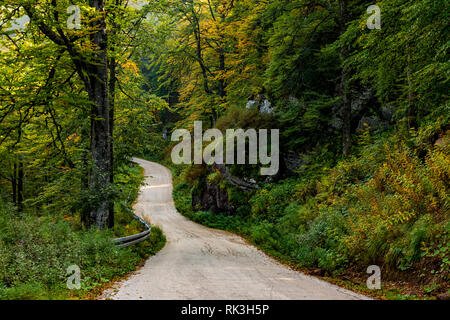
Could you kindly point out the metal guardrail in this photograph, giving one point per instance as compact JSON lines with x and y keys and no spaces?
{"x":135,"y":238}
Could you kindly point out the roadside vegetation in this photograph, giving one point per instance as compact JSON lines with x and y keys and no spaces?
{"x":37,"y":248}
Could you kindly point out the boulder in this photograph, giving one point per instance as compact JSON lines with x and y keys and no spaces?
{"x":210,"y":197}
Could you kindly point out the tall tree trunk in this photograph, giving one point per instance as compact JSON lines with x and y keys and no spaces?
{"x":100,"y":132}
{"x":14,"y":183}
{"x":85,"y":181}
{"x":221,"y":51}
{"x":112,"y":102}
{"x":221,"y":69}
{"x":221,"y":84}
{"x":346,"y":109}
{"x":20,"y":184}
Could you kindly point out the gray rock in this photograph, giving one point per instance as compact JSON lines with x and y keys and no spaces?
{"x":211,"y":198}
{"x":388,"y":111}
{"x":371,"y":123}
{"x":360,"y":100}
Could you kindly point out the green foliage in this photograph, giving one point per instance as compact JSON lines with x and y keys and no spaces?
{"x":37,"y":251}
{"x":270,"y":202}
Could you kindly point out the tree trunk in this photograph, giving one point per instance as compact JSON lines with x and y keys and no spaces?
{"x":100,"y":131}
{"x":221,"y":85}
{"x":20,"y":183}
{"x":85,"y":181}
{"x":14,"y":183}
{"x":198,"y":51}
{"x":346,"y":116}
{"x":222,"y":69}
{"x":112,"y":91}
{"x":221,"y":51}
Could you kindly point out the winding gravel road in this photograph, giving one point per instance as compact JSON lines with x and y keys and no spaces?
{"x":203,"y":263}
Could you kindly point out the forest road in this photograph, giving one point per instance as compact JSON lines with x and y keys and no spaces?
{"x":203,"y":263}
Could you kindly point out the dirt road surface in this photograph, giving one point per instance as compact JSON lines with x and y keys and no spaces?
{"x":203,"y":263}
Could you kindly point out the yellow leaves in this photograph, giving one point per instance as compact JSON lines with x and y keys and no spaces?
{"x":131,"y":67}
{"x":74,"y":137}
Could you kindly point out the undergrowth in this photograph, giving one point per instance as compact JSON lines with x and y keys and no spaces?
{"x":37,"y":249}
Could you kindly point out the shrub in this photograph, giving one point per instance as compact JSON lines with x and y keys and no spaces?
{"x":269,"y":203}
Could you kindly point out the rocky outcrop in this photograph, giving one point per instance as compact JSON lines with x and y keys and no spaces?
{"x":210,"y":197}
{"x":244,"y":184}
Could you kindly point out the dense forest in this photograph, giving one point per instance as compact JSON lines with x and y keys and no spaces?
{"x":360,"y":98}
